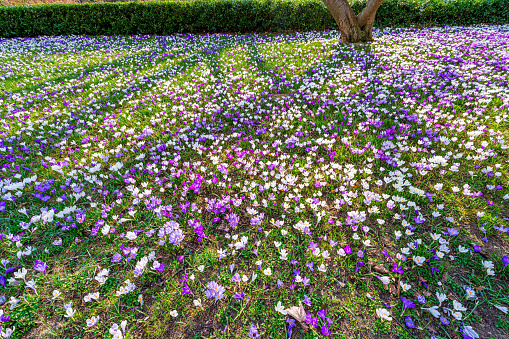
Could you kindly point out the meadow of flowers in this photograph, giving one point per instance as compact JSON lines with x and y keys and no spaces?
{"x":244,"y":186}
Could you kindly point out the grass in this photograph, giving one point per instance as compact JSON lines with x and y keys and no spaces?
{"x":284,"y":168}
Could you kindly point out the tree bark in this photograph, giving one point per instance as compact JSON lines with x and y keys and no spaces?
{"x":353,"y":28}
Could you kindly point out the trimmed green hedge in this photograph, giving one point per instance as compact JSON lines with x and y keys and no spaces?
{"x":167,"y":17}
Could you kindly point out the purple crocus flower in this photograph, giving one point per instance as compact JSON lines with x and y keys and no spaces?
{"x":240,"y":296}
{"x":5,"y":318}
{"x":185,"y":289}
{"x":161,"y":267}
{"x":40,"y":266}
{"x":253,"y":332}
{"x":397,"y":269}
{"x":309,"y":318}
{"x":505,"y":260}
{"x":477,"y":248}
{"x":3,"y":206}
{"x":452,"y":231}
{"x":291,"y":325}
{"x":322,"y":313}
{"x":407,"y":303}
{"x":307,"y":301}
{"x":117,"y":257}
{"x":326,"y":331}
{"x":409,"y":322}
{"x":279,"y":284}
{"x":444,"y":321}
{"x":214,"y":290}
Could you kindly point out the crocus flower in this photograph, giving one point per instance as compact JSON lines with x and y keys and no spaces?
{"x":214,"y":290}
{"x":409,"y":322}
{"x":253,"y":332}
{"x":407,"y":303}
{"x":40,"y":266}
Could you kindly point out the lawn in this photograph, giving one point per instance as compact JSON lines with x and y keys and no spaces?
{"x":235,"y":186}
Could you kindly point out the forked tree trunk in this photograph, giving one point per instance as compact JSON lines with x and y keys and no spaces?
{"x":354,"y":28}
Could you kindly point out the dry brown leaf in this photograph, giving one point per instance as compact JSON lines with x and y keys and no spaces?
{"x":393,"y":289}
{"x":452,"y":297}
{"x":380,"y":269}
{"x":426,"y":293}
{"x":298,"y":313}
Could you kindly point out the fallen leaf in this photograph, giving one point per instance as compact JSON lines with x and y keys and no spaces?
{"x":393,"y":289}
{"x":452,"y":297}
{"x":426,"y":293}
{"x":298,"y":313}
{"x":380,"y":269}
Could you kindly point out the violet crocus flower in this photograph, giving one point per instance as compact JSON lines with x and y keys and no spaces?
{"x":326,"y":331}
{"x":4,"y":318}
{"x":253,"y":332}
{"x":117,"y":257}
{"x":240,"y":296}
{"x":232,"y":219}
{"x":444,"y":321}
{"x":279,"y":284}
{"x":185,"y":289}
{"x":452,"y":231}
{"x":291,"y":325}
{"x":214,"y":290}
{"x":407,"y":303}
{"x":3,"y":206}
{"x":505,"y":260}
{"x":397,"y":269}
{"x":40,"y":266}
{"x":307,"y":301}
{"x":418,"y":220}
{"x":322,"y":314}
{"x":409,"y":322}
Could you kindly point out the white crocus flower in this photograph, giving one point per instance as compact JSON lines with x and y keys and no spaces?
{"x":383,"y":314}
{"x":280,"y":308}
{"x":441,"y":297}
{"x":502,"y":309}
{"x":433,"y":310}
{"x":56,"y":294}
{"x":405,"y":287}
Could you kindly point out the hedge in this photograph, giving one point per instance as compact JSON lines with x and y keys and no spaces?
{"x":166,"y":17}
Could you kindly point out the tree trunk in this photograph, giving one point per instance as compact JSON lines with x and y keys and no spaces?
{"x":353,"y":28}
